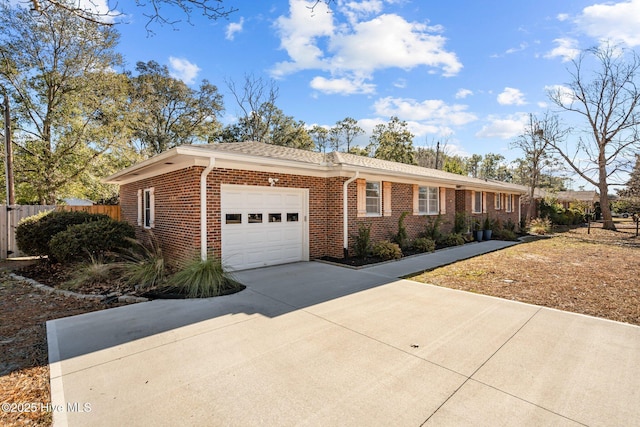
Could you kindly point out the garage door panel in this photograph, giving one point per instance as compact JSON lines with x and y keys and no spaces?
{"x":281,"y":236}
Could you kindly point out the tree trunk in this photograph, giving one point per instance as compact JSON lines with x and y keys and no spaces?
{"x":607,"y":219}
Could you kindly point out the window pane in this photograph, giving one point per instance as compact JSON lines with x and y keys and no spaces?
{"x":373,"y":197}
{"x":477,"y":206}
{"x":255,"y":218}
{"x":275,"y":217}
{"x":433,"y":200}
{"x":233,"y":218}
{"x":292,"y":217}
{"x":147,"y":208}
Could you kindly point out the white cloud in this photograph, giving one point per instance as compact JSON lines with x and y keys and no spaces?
{"x":566,"y":48}
{"x":433,"y":111}
{"x":504,"y":128}
{"x":562,"y":17}
{"x":359,"y":47}
{"x":233,"y":28}
{"x":618,"y":22}
{"x":342,"y":86}
{"x":463,"y":93}
{"x":511,"y":96}
{"x":182,"y":69}
{"x":400,"y":83}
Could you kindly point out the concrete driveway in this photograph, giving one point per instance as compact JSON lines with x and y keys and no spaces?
{"x":315,"y":344}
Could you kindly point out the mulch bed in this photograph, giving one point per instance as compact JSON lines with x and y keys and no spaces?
{"x":24,"y":369}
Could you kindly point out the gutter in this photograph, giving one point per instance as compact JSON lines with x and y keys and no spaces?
{"x":345,"y":214}
{"x":203,"y":208}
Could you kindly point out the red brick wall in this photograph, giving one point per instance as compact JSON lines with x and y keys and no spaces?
{"x":464,"y":203}
{"x":386,"y":227}
{"x":177,"y":210}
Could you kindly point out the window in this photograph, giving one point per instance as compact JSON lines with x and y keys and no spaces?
{"x":255,"y":218}
{"x":292,"y":217}
{"x":148,"y":208}
{"x":477,"y":202}
{"x":233,"y":218}
{"x":498,"y":201}
{"x":508,"y":198}
{"x":275,"y":217}
{"x":428,"y":200}
{"x":373,"y":198}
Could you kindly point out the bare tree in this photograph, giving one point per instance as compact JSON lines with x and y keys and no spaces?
{"x":608,"y":100}
{"x":536,"y":144}
{"x":256,"y":100}
{"x":345,"y":131}
{"x":89,"y":10}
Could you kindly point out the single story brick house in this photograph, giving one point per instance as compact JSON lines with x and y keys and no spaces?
{"x":256,"y":204}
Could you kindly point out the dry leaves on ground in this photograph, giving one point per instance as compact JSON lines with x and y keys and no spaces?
{"x":595,"y":274}
{"x":24,"y":370}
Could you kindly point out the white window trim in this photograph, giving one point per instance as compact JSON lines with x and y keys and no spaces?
{"x":508,"y":203}
{"x":140,"y":207}
{"x":379,"y":213}
{"x":473,"y":202}
{"x":429,"y":210}
{"x":498,"y":201}
{"x":152,"y":208}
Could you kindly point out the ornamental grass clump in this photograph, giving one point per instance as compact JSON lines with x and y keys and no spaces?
{"x":540,"y":226}
{"x":204,"y":278}
{"x":143,"y":264}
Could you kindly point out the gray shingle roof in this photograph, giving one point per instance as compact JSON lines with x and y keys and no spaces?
{"x":259,"y":149}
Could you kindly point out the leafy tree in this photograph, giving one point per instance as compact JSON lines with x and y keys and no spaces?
{"x":344,"y":132}
{"x":473,"y":165}
{"x":69,"y":103}
{"x":393,"y":142}
{"x":168,"y":113}
{"x":320,"y":137}
{"x":490,"y":165}
{"x":535,"y":143}
{"x":608,"y":100}
{"x":455,"y":165}
{"x":288,"y":132}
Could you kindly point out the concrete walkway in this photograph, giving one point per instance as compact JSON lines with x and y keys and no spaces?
{"x":317,"y":344}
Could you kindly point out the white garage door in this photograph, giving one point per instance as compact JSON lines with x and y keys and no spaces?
{"x":263,"y":226}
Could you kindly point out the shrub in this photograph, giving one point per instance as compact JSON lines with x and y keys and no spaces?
{"x":424,"y":244}
{"x":144,"y":266}
{"x":432,"y":229}
{"x":401,"y":238}
{"x":509,"y":225}
{"x":34,"y":233}
{"x":540,"y":226}
{"x":387,"y":250}
{"x":91,"y":238}
{"x":460,"y":223}
{"x":504,"y":234}
{"x":203,"y":279}
{"x":362,"y":245}
{"x":453,"y":239}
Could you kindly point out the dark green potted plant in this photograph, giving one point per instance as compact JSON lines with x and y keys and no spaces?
{"x":477,"y":231}
{"x":487,"y":228}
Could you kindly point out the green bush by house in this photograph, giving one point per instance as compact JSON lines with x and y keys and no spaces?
{"x":34,"y":233}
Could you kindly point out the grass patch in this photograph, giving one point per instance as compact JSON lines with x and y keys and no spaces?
{"x":204,"y":279}
{"x":591,"y":273}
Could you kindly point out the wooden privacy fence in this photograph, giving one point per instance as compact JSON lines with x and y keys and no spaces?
{"x":11,"y":216}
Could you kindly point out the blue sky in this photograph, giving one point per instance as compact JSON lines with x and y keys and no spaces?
{"x":459,"y":71}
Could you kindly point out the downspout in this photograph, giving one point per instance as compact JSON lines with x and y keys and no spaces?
{"x":345,"y":214}
{"x":203,"y":208}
